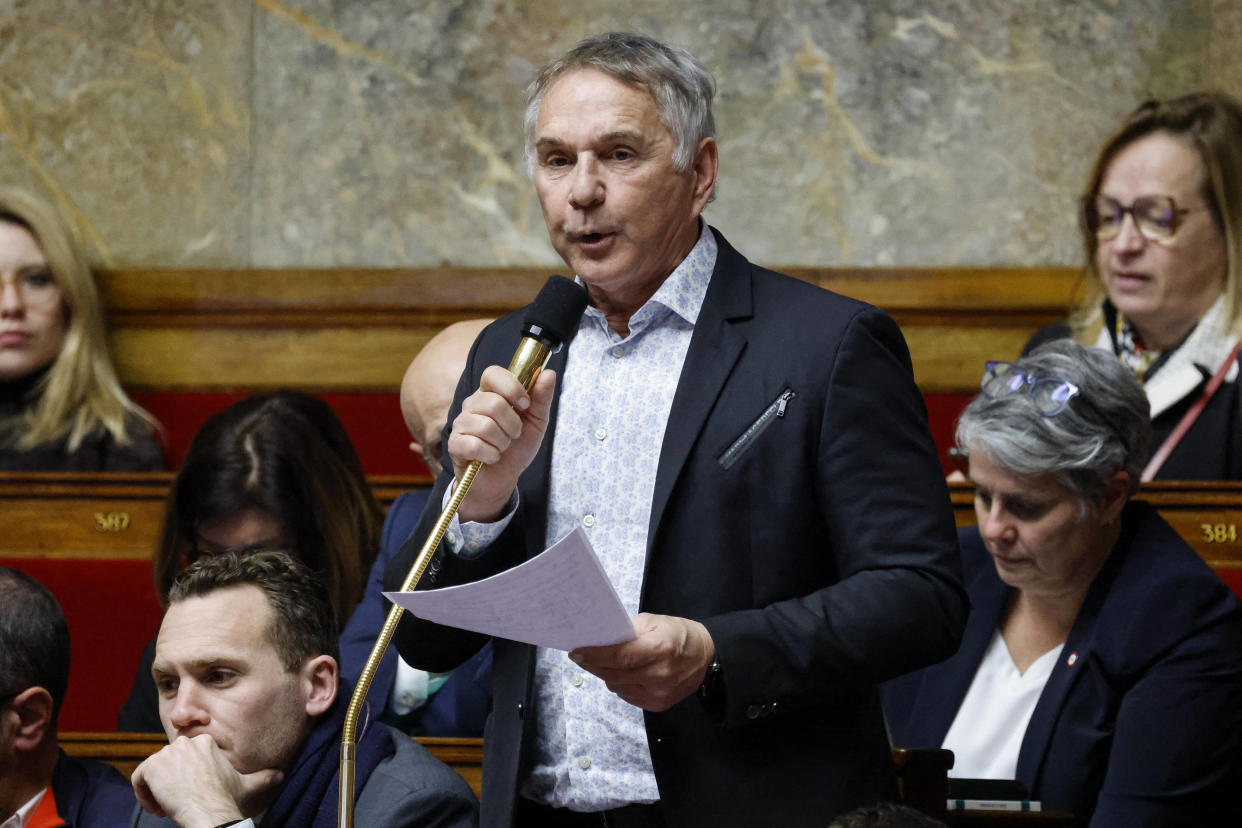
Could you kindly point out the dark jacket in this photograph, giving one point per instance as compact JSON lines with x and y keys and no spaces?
{"x":821,"y":557}
{"x":99,"y":451}
{"x":1140,"y":723}
{"x":397,"y":783}
{"x":91,"y":794}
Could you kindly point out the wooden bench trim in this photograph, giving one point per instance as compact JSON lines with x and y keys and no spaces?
{"x":72,"y":485}
{"x":79,"y":528}
{"x":366,"y":297}
{"x":356,"y":329}
{"x":1188,"y":506}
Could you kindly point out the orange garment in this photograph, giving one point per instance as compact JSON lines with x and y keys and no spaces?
{"x":45,"y":815}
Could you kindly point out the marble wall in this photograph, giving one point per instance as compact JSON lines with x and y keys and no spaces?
{"x":376,"y":133}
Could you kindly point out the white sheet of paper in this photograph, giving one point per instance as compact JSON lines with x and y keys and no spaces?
{"x":561,"y":599}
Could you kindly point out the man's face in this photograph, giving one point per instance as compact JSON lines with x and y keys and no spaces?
{"x":617,"y":211}
{"x":217,"y":673}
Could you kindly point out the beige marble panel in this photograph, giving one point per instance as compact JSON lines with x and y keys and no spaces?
{"x":1226,"y":47}
{"x":135,"y":117}
{"x":325,"y":133}
{"x":863,"y":132}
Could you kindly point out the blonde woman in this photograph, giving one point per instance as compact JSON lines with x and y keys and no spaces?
{"x":1162,"y":232}
{"x":61,"y":405}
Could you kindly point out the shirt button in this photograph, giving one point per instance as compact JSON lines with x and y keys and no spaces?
{"x":601,"y":433}
{"x":584,"y":762}
{"x":576,"y":681}
{"x":618,"y":352}
{"x":588,"y":521}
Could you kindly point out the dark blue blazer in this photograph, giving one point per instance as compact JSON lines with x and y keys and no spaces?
{"x":459,"y":707}
{"x":1140,"y":722}
{"x":91,"y":794}
{"x":819,"y":550}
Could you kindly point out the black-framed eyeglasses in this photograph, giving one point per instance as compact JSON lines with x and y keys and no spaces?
{"x":1156,"y":216}
{"x":1050,"y":394}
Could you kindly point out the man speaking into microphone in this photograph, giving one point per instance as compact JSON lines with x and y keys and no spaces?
{"x":748,"y":455}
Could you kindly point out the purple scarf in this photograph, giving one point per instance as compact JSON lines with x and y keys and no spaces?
{"x":308,"y":796}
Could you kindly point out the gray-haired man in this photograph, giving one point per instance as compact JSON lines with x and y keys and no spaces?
{"x":748,"y":454}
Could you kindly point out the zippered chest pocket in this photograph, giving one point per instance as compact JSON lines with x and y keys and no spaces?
{"x":771,"y":414}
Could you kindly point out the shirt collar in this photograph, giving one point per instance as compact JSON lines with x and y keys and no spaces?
{"x":24,"y":813}
{"x":684,"y":289}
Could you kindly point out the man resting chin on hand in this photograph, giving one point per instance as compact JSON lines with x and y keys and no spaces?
{"x":250,"y":697}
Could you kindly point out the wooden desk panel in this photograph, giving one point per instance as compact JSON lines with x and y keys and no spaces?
{"x":66,"y":515}
{"x":1207,"y":515}
{"x":104,"y":516}
{"x":351,"y":329}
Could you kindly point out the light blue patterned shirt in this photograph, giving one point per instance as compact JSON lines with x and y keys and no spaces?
{"x":591,"y":749}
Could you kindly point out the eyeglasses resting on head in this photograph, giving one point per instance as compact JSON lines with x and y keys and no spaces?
{"x":1051,"y":394}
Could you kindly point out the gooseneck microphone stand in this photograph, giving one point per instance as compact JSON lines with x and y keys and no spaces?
{"x":551,"y":321}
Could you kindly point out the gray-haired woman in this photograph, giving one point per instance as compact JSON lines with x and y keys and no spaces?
{"x":1102,"y":660}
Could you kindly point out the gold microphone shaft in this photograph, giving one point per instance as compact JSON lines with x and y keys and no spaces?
{"x":528,"y":361}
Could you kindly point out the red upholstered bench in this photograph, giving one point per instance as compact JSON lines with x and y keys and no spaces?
{"x":372,"y":419}
{"x":112,"y":613}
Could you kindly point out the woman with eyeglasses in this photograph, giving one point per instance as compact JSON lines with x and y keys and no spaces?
{"x":1102,"y":659}
{"x":61,"y":405}
{"x":1162,"y":231}
{"x":273,"y":472}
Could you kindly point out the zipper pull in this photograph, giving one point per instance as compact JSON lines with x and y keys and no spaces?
{"x":782,"y":402}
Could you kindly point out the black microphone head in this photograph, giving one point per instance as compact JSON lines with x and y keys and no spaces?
{"x":553,"y":318}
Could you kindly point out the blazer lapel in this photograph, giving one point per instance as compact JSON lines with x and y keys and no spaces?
{"x":714,"y":350}
{"x":1075,"y":655}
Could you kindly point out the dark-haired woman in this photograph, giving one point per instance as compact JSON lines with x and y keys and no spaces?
{"x":272,"y":472}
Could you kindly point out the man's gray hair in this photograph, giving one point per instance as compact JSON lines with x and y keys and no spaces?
{"x":676,"y":80}
{"x":1105,"y":430}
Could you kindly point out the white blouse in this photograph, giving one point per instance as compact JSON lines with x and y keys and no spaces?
{"x":987,"y":732}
